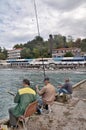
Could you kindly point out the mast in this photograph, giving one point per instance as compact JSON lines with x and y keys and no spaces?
{"x":39,"y":34}
{"x":36,"y":18}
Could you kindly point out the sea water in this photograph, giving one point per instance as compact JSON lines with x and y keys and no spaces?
{"x":11,"y":80}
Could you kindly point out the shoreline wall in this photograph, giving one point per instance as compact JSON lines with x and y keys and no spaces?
{"x":74,"y":86}
{"x":79,"y":83}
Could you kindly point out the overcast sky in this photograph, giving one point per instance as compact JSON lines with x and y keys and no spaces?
{"x":18,"y":21}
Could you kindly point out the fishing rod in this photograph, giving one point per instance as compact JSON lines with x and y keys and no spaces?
{"x":43,"y":67}
{"x":11,"y":93}
{"x":36,"y":15}
{"x":51,"y":46}
{"x":8,"y":91}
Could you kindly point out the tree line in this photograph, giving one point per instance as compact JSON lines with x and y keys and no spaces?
{"x":3,"y":54}
{"x":38,"y":47}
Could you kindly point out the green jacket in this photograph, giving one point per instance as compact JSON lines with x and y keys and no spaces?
{"x":23,"y":98}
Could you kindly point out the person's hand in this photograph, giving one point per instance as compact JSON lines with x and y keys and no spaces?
{"x":59,"y":86}
{"x":36,"y":86}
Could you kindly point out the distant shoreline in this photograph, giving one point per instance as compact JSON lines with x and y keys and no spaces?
{"x":48,"y":70}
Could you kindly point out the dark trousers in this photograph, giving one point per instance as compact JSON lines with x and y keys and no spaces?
{"x":40,"y":105}
{"x":63,"y":90}
{"x":12,"y":118}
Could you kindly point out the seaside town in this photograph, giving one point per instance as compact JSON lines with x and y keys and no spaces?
{"x":42,"y":65}
{"x":62,"y":114}
{"x":67,"y":54}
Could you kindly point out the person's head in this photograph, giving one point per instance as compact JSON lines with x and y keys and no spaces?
{"x":46,"y":80}
{"x":67,"y":80}
{"x":26,"y":82}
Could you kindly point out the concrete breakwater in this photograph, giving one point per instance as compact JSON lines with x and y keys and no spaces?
{"x":79,"y":84}
{"x":63,"y":116}
{"x":80,"y":90}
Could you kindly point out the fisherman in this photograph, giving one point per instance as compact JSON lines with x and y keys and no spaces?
{"x":66,"y":88}
{"x":23,"y":98}
{"x":47,"y":93}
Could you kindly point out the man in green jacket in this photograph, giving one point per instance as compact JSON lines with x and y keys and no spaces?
{"x":23,"y":98}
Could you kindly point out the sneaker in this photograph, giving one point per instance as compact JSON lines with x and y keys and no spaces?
{"x":61,"y":94}
{"x":14,"y":126}
{"x":39,"y":111}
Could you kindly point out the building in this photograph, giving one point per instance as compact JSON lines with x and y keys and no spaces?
{"x":14,"y":54}
{"x":62,"y":51}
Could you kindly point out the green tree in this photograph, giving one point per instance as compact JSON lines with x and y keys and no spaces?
{"x":59,"y":41}
{"x":39,"y":38}
{"x":83,"y":45}
{"x":40,"y":48}
{"x":64,"y":41}
{"x":26,"y":53}
{"x":36,"y":53}
{"x":0,"y":49}
{"x":18,"y":46}
{"x":68,"y":54}
{"x":77,"y":42}
{"x":5,"y":52}
{"x":69,"y":41}
{"x":2,"y":56}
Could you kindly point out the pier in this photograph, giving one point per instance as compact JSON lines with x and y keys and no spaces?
{"x":63,"y":116}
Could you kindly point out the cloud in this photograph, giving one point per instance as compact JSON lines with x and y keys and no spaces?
{"x":64,"y":5}
{"x":18,"y":21}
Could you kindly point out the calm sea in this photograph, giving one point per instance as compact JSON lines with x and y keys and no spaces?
{"x":11,"y":80}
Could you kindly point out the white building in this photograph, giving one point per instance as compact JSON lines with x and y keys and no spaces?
{"x":14,"y":54}
{"x":62,"y":51}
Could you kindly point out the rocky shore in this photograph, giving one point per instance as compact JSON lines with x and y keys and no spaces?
{"x":68,"y":116}
{"x":64,"y":116}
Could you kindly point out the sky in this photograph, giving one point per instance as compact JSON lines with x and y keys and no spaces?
{"x":18,"y":20}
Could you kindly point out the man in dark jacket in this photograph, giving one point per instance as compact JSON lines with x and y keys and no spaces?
{"x":66,"y":88}
{"x":23,"y":98}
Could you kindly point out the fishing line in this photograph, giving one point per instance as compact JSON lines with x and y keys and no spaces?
{"x":43,"y":67}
